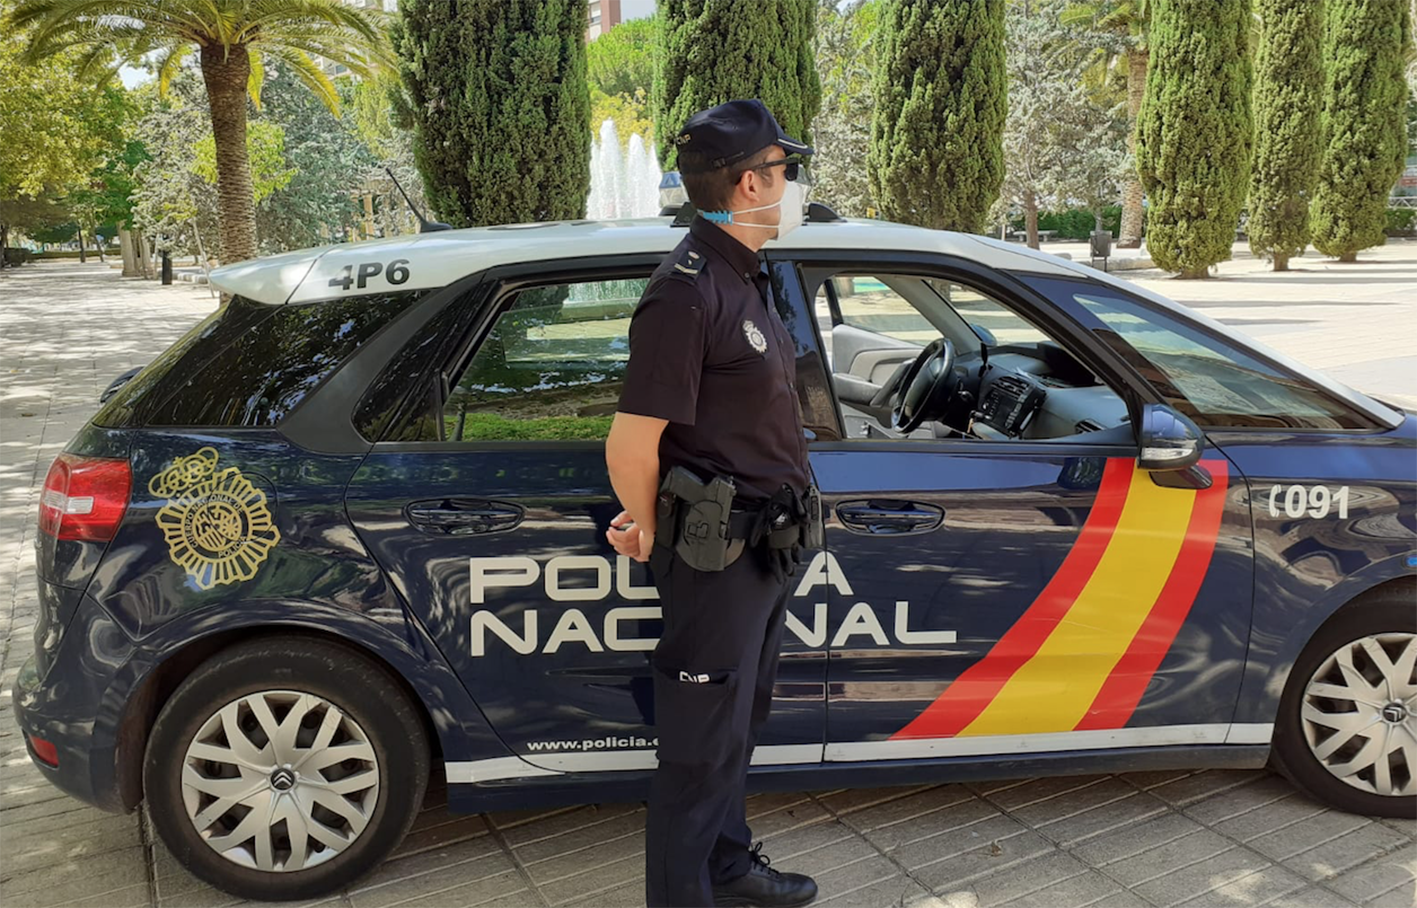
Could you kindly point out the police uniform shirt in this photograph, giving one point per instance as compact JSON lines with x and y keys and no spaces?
{"x":709,"y":354}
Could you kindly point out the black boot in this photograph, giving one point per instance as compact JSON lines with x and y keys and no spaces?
{"x":763,"y":887}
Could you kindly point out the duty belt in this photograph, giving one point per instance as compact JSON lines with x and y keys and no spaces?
{"x":779,"y":534}
{"x":700,"y":522}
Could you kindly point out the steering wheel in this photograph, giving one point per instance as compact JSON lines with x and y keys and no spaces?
{"x":926,"y":387}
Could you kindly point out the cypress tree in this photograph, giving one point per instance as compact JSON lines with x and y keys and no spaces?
{"x":1288,"y":93}
{"x":501,"y":107}
{"x":1363,"y":133}
{"x":1193,"y":131}
{"x":712,"y":51}
{"x":941,"y":90}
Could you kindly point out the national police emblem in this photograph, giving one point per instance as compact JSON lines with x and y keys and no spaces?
{"x":216,"y":523}
{"x":755,"y":337}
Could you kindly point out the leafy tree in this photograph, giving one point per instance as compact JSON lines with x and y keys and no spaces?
{"x":31,"y":215}
{"x":1118,"y":29}
{"x":629,"y":112}
{"x":846,"y":57}
{"x":54,"y":135}
{"x":712,"y":51}
{"x":172,"y":204}
{"x":328,"y":164}
{"x":1366,"y":43}
{"x":937,"y":156}
{"x":1062,"y":142}
{"x":383,"y":120}
{"x":621,"y":61}
{"x":1288,"y":91}
{"x":265,"y":148}
{"x":233,"y":39}
{"x":102,"y":197}
{"x":1193,"y":135}
{"x":501,"y":107}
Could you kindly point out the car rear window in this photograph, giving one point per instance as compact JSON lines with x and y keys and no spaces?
{"x":249,"y":364}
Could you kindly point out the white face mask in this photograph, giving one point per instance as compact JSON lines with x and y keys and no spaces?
{"x":792,"y":205}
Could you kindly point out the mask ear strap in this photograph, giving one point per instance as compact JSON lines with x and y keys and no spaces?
{"x":717,"y":217}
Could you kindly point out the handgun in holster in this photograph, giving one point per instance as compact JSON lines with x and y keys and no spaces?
{"x":692,"y":519}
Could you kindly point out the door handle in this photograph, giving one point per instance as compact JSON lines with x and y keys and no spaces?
{"x":464,"y":516}
{"x":884,"y":517}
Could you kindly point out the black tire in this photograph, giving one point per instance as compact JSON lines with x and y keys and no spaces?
{"x":354,"y":684}
{"x":1385,"y":612}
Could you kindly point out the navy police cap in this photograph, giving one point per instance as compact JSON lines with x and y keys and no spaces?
{"x":730,"y":132}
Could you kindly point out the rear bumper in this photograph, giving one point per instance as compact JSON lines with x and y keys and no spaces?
{"x":73,"y":775}
{"x":64,"y":705}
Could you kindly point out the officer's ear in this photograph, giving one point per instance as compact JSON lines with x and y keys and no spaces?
{"x":751,"y":184}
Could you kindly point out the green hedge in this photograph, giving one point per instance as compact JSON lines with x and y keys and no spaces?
{"x":1075,"y":223}
{"x":1401,"y":222}
{"x":74,"y":253}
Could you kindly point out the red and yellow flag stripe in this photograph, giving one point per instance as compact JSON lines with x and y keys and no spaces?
{"x":1082,"y":654}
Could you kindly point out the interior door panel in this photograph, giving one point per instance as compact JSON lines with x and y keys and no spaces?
{"x":868,"y":355}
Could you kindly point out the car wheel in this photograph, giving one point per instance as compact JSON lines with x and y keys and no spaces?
{"x":285,"y":768}
{"x":1347,"y":729}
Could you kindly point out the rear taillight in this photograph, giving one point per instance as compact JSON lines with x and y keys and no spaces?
{"x":84,"y":497}
{"x":44,"y":751}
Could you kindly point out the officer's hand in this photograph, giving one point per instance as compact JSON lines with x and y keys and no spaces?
{"x":628,"y":539}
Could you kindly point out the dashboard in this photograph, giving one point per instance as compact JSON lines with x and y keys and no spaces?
{"x":1044,"y":393}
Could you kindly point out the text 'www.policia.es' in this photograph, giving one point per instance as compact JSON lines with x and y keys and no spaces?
{"x":593,"y":744}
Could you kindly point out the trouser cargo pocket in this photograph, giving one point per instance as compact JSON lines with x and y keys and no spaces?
{"x":694,"y":714}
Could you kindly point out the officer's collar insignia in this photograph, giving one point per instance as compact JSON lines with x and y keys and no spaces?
{"x":755,"y":337}
{"x":216,"y":523}
{"x":689,"y":262}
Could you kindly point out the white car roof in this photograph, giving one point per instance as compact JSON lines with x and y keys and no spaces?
{"x":438,"y":259}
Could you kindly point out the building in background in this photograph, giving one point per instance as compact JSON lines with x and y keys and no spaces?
{"x":603,"y":16}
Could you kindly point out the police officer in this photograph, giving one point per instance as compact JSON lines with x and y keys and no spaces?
{"x":711,"y":387}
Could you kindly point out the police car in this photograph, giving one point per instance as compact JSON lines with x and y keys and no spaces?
{"x":348,"y":532}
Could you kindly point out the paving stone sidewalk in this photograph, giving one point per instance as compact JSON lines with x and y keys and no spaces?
{"x":1144,"y":839}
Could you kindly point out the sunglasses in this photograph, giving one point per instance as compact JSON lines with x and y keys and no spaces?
{"x":791,"y":167}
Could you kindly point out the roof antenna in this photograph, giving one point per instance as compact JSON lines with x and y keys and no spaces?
{"x":424,"y":225}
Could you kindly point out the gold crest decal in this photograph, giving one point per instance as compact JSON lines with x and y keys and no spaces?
{"x":217,"y":525}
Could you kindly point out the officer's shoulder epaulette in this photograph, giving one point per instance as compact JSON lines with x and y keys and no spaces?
{"x":689,"y":264}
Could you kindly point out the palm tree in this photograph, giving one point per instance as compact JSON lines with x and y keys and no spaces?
{"x":232,"y":38}
{"x":1125,"y":22}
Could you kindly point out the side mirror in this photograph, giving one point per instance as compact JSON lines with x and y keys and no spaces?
{"x":1168,"y":440}
{"x":985,"y":334}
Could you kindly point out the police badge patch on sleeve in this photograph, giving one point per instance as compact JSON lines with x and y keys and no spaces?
{"x":756,"y":340}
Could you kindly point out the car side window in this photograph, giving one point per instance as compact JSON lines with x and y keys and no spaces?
{"x":870,"y":304}
{"x":894,"y":307}
{"x":263,"y":371}
{"x":1002,"y":324}
{"x":1212,"y":382}
{"x":550,"y":367}
{"x":874,"y":325}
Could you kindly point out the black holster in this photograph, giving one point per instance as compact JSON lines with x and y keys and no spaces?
{"x":691,"y":519}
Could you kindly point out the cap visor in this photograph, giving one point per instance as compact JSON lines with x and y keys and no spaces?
{"x":790,"y":144}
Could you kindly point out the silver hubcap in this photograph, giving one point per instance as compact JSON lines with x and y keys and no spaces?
{"x":280,"y":780}
{"x":1360,"y":714}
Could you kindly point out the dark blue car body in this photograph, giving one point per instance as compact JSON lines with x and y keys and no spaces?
{"x":929,"y":640}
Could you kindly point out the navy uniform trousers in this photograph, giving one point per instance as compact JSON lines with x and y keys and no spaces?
{"x":714,"y":669}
